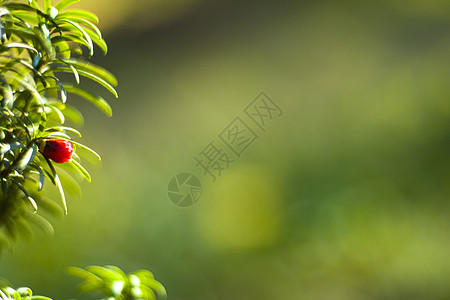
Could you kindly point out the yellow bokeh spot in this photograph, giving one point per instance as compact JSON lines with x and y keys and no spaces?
{"x":241,"y":210}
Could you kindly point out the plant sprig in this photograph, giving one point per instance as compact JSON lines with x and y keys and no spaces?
{"x":112,"y":283}
{"x":38,"y":44}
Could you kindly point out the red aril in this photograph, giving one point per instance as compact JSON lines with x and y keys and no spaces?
{"x":58,"y":150}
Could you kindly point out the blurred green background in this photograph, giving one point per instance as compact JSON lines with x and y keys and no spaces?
{"x":345,"y":196}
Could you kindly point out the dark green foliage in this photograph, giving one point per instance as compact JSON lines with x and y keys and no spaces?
{"x":37,"y":45}
{"x":113,"y":283}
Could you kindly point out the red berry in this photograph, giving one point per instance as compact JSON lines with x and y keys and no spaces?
{"x":58,"y":150}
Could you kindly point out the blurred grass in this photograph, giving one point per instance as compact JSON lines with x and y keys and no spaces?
{"x":346,"y":196}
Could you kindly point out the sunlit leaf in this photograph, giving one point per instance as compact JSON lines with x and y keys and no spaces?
{"x":65,"y":3}
{"x":34,"y":4}
{"x":24,"y":291}
{"x":54,"y":135}
{"x":94,"y":70}
{"x":57,"y":113}
{"x":64,"y":128}
{"x":147,"y":293}
{"x":91,"y":76}
{"x":71,"y":113}
{"x":156,"y":286}
{"x":86,"y":36}
{"x":69,"y":37}
{"x":58,"y":184}
{"x":61,"y":192}
{"x":104,"y":273}
{"x":98,"y":101}
{"x":63,"y":49}
{"x":91,"y":25}
{"x":79,"y":145}
{"x":118,"y":271}
{"x":81,"y":169}
{"x":78,"y":14}
{"x":12,"y":6}
{"x":100,"y":42}
{"x":47,"y":5}
{"x":8,"y":46}
{"x":26,"y":16}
